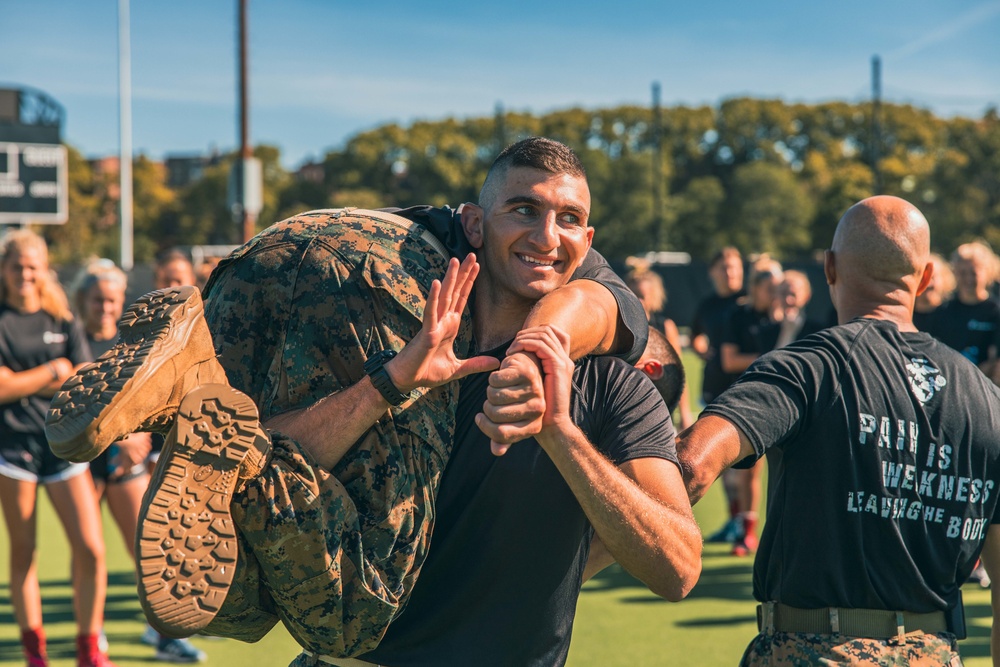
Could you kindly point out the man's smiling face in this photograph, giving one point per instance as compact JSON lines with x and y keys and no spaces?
{"x":534,"y":235}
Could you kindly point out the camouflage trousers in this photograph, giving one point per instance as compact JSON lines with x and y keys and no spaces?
{"x":794,"y":649}
{"x":294,"y":314}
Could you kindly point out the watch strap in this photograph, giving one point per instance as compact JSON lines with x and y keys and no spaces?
{"x":375,"y":368}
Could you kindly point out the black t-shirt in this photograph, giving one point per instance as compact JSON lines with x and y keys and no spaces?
{"x":751,"y":331}
{"x":887,"y":472}
{"x":510,"y":541}
{"x":970,"y":329}
{"x":445,"y":224}
{"x":28,"y":340}
{"x":712,"y":318}
{"x":928,"y":322}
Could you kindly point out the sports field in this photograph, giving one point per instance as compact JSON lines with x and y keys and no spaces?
{"x":619,"y":621}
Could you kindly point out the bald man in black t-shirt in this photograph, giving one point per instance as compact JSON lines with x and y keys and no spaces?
{"x":884,"y":451}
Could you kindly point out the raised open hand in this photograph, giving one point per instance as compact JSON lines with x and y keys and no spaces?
{"x":429,"y":359}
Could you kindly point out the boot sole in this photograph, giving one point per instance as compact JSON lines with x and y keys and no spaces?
{"x":110,"y":398}
{"x":186,"y":546}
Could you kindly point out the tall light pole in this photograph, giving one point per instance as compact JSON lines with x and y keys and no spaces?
{"x":125,"y":133}
{"x":658,"y":222}
{"x":245,"y":197}
{"x":876,"y":123}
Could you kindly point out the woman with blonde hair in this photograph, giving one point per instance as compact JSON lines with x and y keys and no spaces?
{"x":40,"y":347}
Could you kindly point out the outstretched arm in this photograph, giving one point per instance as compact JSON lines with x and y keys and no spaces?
{"x":640,"y":510}
{"x":331,"y":426}
{"x":706,"y":449}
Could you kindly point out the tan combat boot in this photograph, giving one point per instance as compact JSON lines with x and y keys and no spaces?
{"x":164,"y":350}
{"x":186,"y":546}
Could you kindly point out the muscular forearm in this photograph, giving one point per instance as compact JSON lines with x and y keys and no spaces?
{"x":588,"y":312}
{"x":328,"y":428}
{"x":658,"y":543}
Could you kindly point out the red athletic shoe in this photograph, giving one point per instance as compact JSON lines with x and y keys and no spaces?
{"x":94,"y":660}
{"x":34,"y":661}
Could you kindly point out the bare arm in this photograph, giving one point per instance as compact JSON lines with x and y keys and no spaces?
{"x":331,"y":426}
{"x":45,"y":380}
{"x":588,"y":313}
{"x":706,"y":449}
{"x":991,"y":561}
{"x":640,"y":510}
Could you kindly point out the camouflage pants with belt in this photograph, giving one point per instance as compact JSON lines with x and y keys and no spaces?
{"x":294,"y":314}
{"x":795,"y":649}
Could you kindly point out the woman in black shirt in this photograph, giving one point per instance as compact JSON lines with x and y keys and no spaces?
{"x":40,"y":346}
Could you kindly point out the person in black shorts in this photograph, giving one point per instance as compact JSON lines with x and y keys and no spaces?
{"x":884,"y":454}
{"x":40,"y":347}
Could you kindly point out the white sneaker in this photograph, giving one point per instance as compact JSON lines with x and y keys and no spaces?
{"x":150,"y":637}
{"x":178,"y":651}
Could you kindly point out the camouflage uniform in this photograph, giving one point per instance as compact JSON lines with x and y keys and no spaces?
{"x":294,"y":314}
{"x":792,"y":649}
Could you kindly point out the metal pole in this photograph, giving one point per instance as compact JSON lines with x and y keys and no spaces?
{"x":876,"y":123}
{"x":125,"y":133}
{"x":658,"y":222}
{"x":500,"y":129}
{"x":249,"y":221}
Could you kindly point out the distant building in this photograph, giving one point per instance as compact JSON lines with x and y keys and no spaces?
{"x":183,"y":170}
{"x":312,"y":172}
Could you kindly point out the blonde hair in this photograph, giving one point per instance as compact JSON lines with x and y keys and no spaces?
{"x":51,"y":295}
{"x":657,"y":294}
{"x":978,"y":252}
{"x":97,"y":271}
{"x":802,"y":278}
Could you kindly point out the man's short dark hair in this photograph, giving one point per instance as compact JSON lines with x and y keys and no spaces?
{"x":671,"y":383}
{"x":533,"y":153}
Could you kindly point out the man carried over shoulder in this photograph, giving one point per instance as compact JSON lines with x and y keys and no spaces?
{"x":299,"y":317}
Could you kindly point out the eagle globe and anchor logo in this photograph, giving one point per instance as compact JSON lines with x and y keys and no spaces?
{"x":925,"y":379}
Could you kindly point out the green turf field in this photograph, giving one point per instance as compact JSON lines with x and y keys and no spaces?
{"x":619,"y":621}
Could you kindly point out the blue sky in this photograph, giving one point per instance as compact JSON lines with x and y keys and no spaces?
{"x":321,"y":71}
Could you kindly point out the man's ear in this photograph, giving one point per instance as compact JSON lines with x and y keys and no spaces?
{"x":472,"y":224}
{"x":828,"y":268}
{"x":925,"y":278}
{"x":653,"y":368}
{"x":590,"y":237}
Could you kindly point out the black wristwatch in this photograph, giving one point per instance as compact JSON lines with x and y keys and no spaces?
{"x":375,"y":369}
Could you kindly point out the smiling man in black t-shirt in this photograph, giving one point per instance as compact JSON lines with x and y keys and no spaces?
{"x":884,"y":451}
